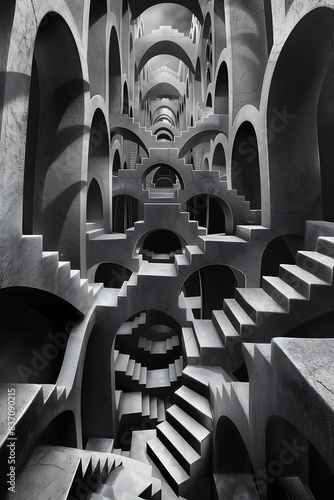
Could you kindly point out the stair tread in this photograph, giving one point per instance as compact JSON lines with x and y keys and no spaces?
{"x":195,"y":400}
{"x":258,"y":300}
{"x":224,"y":324}
{"x":280,"y":285}
{"x":301,"y":274}
{"x":238,"y":312}
{"x":158,"y":378}
{"x":207,"y":335}
{"x":122,"y":362}
{"x":170,"y":464}
{"x":188,"y":422}
{"x":178,"y":442}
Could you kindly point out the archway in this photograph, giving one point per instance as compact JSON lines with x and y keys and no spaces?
{"x":35,"y":327}
{"x":210,"y":212}
{"x":207,"y":288}
{"x":94,"y":202}
{"x":52,"y":178}
{"x":96,"y":47}
{"x":222,"y":91}
{"x":281,"y":250}
{"x":299,"y":176}
{"x":114,"y":74}
{"x":219,"y":160}
{"x":112,"y":275}
{"x":245,"y":165}
{"x":125,"y":212}
{"x":116,"y":163}
{"x":233,"y":471}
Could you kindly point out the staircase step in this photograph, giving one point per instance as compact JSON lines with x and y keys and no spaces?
{"x":316,"y":263}
{"x":199,"y":378}
{"x":172,"y":372}
{"x":169,"y":467}
{"x":224,"y":327}
{"x":209,"y":342}
{"x":121,"y":363}
{"x":191,"y":430}
{"x":143,"y":375}
{"x":157,"y":378}
{"x":131,"y":404}
{"x":130,"y":368}
{"x":146,"y":405}
{"x":153,"y":407}
{"x":280,"y":291}
{"x":190,"y":347}
{"x":187,"y":457}
{"x":103,"y":445}
{"x":161,"y":410}
{"x":136,"y":372}
{"x":237,"y":315}
{"x":196,"y":405}
{"x":255,"y":301}
{"x":301,"y":280}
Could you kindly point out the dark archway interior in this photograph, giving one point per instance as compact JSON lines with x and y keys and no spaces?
{"x":34,"y":331}
{"x":209,"y":213}
{"x":60,"y":432}
{"x":162,"y":241}
{"x":112,"y":275}
{"x":125,"y":212}
{"x":245,"y":165}
{"x":94,"y":202}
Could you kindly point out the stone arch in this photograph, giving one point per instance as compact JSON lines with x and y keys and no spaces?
{"x":94,"y":202}
{"x":115,"y":92}
{"x":173,"y":173}
{"x":211,"y":212}
{"x":281,"y":250}
{"x":96,"y":47}
{"x":165,"y":47}
{"x":222,"y":90}
{"x":61,"y":431}
{"x":52,"y":177}
{"x":208,"y":287}
{"x":35,"y":328}
{"x":125,"y":110}
{"x":116,"y":163}
{"x":125,"y":212}
{"x":219,"y":160}
{"x":111,"y":275}
{"x":294,"y":121}
{"x":245,"y":165}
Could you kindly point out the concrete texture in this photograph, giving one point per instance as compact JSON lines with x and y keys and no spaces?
{"x":166,"y":250}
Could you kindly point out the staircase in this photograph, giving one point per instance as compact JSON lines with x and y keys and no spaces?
{"x":181,"y":449}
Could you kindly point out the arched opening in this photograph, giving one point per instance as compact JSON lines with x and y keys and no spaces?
{"x":151,"y":342}
{"x":220,"y":27}
{"x":98,"y":169}
{"x":210,"y":212}
{"x":96,"y":47}
{"x":209,"y":101}
{"x":60,"y":432}
{"x":281,"y":250}
{"x":232,"y":466}
{"x":269,"y":25}
{"x":161,"y":246}
{"x":34,"y":331}
{"x":198,"y":83}
{"x":164,"y":177}
{"x":125,"y":99}
{"x":207,"y":288}
{"x":245,"y":165}
{"x":116,"y":163}
{"x":304,"y":471}
{"x":125,"y":212}
{"x":219,"y":160}
{"x":112,"y":275}
{"x":222,"y":91}
{"x":114,"y":75}
{"x":52,"y":181}
{"x":298,"y":121}
{"x":94,"y":202}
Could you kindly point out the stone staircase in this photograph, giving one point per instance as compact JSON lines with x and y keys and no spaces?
{"x":46,"y":272}
{"x":68,"y":473}
{"x":181,"y":448}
